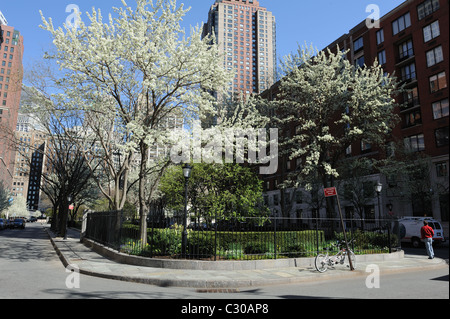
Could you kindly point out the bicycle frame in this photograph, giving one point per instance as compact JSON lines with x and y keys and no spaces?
{"x":322,"y":261}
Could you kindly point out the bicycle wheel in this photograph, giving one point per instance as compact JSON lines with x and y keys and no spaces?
{"x":352,"y":256}
{"x":321,"y":262}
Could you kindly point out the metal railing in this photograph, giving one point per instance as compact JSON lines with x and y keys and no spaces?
{"x":246,"y":238}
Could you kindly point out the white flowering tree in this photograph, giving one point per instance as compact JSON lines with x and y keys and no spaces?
{"x":18,"y":208}
{"x":144,"y":68}
{"x":329,"y":104}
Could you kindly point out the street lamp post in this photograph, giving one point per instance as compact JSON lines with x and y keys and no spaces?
{"x":186,"y":173}
{"x":378,"y":189}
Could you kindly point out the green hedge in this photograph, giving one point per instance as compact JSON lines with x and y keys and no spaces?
{"x":246,"y":244}
{"x":167,"y":242}
{"x":369,"y":242}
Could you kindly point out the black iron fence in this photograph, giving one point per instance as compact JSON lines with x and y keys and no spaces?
{"x":245,"y":238}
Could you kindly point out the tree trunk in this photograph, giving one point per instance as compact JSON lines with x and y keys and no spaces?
{"x":63,"y":216}
{"x":142,"y":206}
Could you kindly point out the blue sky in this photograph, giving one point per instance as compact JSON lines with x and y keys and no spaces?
{"x":317,"y":22}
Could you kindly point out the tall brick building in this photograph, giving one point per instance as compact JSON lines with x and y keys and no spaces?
{"x":246,"y":34}
{"x":412,"y":42}
{"x":11,"y":72}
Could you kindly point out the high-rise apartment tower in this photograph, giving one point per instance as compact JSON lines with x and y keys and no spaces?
{"x":11,"y":71}
{"x":246,"y":34}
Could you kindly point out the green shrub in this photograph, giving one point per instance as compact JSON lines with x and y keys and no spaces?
{"x":165,"y":242}
{"x":201,"y":245}
{"x":254,"y":248}
{"x":293,"y":250}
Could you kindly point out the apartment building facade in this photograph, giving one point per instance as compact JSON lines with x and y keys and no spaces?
{"x":11,"y":72}
{"x":411,"y":42}
{"x":246,"y":35}
{"x":29,"y":160}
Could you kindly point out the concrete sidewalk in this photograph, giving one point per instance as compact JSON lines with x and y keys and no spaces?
{"x":72,"y":252}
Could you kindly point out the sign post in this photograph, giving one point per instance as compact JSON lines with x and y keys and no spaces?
{"x":330,"y":192}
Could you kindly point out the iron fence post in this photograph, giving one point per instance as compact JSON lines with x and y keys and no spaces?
{"x":389,"y":224}
{"x":317,"y":233}
{"x":119,"y":239}
{"x":275,"y":237}
{"x":152,"y":234}
{"x":215,"y":237}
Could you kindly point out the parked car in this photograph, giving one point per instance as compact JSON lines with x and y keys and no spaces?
{"x":3,"y":224}
{"x":19,"y":223}
{"x":32,"y":219}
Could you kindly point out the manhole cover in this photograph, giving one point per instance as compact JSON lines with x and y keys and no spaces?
{"x":218,"y":290}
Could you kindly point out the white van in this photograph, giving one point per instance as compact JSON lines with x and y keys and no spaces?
{"x":412,"y":226}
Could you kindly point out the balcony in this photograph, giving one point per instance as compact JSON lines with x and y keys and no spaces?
{"x":410,"y":103}
{"x":405,"y":58}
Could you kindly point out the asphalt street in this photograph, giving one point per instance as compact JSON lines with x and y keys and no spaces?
{"x":31,"y":269}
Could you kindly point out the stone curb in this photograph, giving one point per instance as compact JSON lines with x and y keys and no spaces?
{"x":226,"y":275}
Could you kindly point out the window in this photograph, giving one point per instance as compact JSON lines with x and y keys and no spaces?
{"x":348,"y":151}
{"x":431,"y":31}
{"x":441,"y":135}
{"x":298,"y":196}
{"x":411,"y":98}
{"x":358,"y":44}
{"x":406,"y":50}
{"x":414,"y":143}
{"x":365,"y":146}
{"x":409,"y":72}
{"x":412,"y":118}
{"x":380,"y":36}
{"x":426,"y":8}
{"x":441,"y":169}
{"x":369,"y":213}
{"x":440,"y":109}
{"x":434,"y":56}
{"x":401,"y":23}
{"x":382,"y":57}
{"x":438,"y":82}
{"x":360,"y":61}
{"x":275,"y":200}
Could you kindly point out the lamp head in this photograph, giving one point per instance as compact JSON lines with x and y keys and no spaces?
{"x":187,"y":171}
{"x":378,"y":187}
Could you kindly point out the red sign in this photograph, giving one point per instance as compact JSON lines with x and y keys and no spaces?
{"x":330,"y":191}
{"x":71,"y":207}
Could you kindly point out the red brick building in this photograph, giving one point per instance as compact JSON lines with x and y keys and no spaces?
{"x":11,"y":72}
{"x":412,"y":42}
{"x":246,"y":34}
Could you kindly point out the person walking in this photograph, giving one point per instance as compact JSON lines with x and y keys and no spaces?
{"x":427,"y":234}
